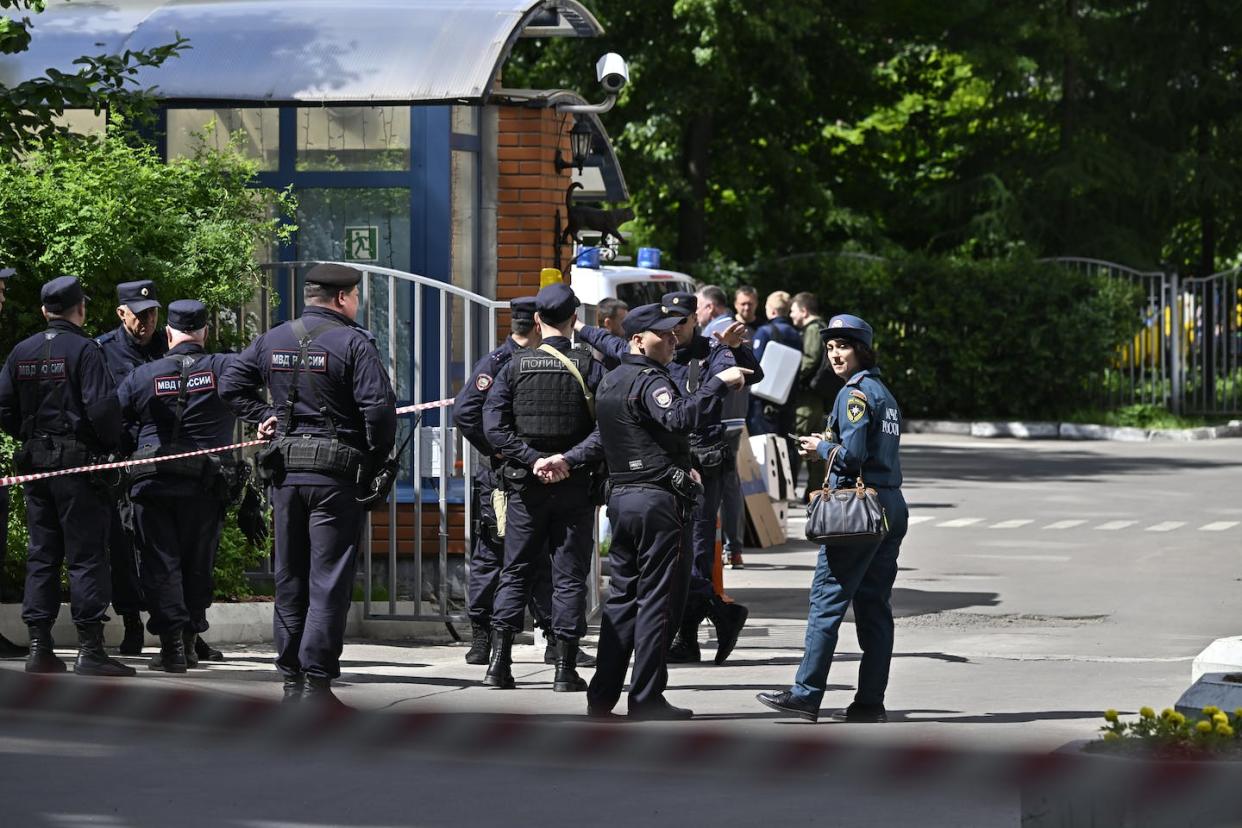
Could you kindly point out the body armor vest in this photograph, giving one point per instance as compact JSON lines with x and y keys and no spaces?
{"x":549,"y":409}
{"x":635,"y":452}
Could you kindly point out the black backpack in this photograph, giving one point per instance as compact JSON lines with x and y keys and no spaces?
{"x":824,"y":382}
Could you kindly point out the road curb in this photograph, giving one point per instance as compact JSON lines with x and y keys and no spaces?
{"x":1041,"y":430}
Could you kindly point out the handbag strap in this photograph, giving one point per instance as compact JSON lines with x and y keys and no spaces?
{"x":832,"y":455}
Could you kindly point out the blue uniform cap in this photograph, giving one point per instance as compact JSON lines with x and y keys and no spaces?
{"x":137,"y":296}
{"x":7,"y":272}
{"x":522,"y":309}
{"x":334,"y":275}
{"x":650,"y":318}
{"x":187,"y":315}
{"x":61,"y":293}
{"x":680,"y":302}
{"x":848,"y":325}
{"x":556,"y":303}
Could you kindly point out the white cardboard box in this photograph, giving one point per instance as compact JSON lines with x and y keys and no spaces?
{"x":780,"y":365}
{"x":771,"y":452}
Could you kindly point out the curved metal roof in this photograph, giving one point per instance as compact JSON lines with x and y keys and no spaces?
{"x":303,"y":51}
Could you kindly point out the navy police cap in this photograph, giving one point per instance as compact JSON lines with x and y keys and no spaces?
{"x":187,"y":315}
{"x":334,"y":275}
{"x":522,"y":309}
{"x":680,"y":302}
{"x":849,"y":326}
{"x":556,"y":303}
{"x":656,"y":317}
{"x":137,"y":296}
{"x":61,"y":293}
{"x":7,"y":272}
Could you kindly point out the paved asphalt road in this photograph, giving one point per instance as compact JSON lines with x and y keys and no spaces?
{"x":1041,"y":583}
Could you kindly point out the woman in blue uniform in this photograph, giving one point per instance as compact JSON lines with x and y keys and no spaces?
{"x":865,"y":425}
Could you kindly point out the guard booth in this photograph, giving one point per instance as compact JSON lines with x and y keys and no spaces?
{"x":408,"y":158}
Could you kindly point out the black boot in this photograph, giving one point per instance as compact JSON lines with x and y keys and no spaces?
{"x":171,"y":657}
{"x":131,"y":643}
{"x":480,"y":651}
{"x":318,"y":690}
{"x":685,"y":646}
{"x":585,"y":659}
{"x":92,"y":660}
{"x":10,"y":650}
{"x":187,"y":647}
{"x":295,"y":687}
{"x":567,"y":679}
{"x":500,"y":668}
{"x":728,"y":620}
{"x":42,"y":659}
{"x":205,"y":651}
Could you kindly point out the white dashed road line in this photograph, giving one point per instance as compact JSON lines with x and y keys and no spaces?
{"x":958,"y":523}
{"x":1065,"y":524}
{"x":1219,"y":526}
{"x":1114,"y":525}
{"x":1011,"y":524}
{"x":1167,"y":526}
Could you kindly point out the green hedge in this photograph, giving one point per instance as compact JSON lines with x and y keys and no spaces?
{"x":965,"y":339}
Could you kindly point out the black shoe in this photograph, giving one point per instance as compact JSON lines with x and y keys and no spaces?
{"x":866,"y":713}
{"x":171,"y":657}
{"x":480,"y":651}
{"x":567,"y":679}
{"x":41,"y":658}
{"x":10,"y":650}
{"x":660,"y":711}
{"x":783,"y":701}
{"x":295,"y":686}
{"x":205,"y":651}
{"x":684,"y":650}
{"x":602,"y":713}
{"x":318,"y":690}
{"x":92,"y":660}
{"x":187,"y":646}
{"x":728,"y":620}
{"x":500,"y":668}
{"x":131,"y":643}
{"x":585,"y":659}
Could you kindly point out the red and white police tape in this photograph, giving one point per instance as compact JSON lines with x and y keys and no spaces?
{"x":799,"y":752}
{"x":125,"y":464}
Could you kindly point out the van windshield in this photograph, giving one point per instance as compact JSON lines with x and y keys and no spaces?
{"x":647,"y":293}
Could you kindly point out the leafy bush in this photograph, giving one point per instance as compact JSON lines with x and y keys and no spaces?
{"x":235,"y":557}
{"x":1172,"y":735}
{"x":969,"y":339}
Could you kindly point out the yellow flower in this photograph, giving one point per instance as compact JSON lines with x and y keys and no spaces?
{"x":1204,"y":727}
{"x":1220,"y":718}
{"x":1110,"y":715}
{"x":1224,"y":730}
{"x":1237,"y":714}
{"x":1111,"y":737}
{"x":1177,"y":718}
{"x":1211,"y":710}
{"x":1147,"y":713}
{"x":1167,"y":713}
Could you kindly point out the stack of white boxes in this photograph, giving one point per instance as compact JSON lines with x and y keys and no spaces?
{"x":771,"y":452}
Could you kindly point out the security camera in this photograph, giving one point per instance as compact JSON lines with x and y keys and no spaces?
{"x":612,"y":72}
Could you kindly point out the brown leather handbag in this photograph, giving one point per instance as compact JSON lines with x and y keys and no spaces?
{"x":845,"y":517}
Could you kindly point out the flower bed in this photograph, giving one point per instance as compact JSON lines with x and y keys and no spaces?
{"x":1172,"y":736}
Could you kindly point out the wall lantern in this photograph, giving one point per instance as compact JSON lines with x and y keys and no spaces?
{"x":580,"y":141}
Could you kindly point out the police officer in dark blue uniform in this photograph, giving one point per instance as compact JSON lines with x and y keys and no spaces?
{"x":171,"y":406}
{"x":7,"y":648}
{"x":487,"y":555}
{"x":136,"y":341}
{"x":697,"y":357}
{"x":645,"y":423}
{"x":57,"y":397}
{"x":334,"y":422}
{"x":863,"y":440}
{"x":540,"y":417}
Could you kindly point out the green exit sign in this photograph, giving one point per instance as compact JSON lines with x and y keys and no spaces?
{"x":361,"y":244}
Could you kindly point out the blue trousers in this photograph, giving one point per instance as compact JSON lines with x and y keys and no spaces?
{"x":863,"y":574}
{"x":317,"y":532}
{"x":732,"y":505}
{"x":178,"y":537}
{"x":703,"y":534}
{"x":68,"y":519}
{"x":127,"y":597}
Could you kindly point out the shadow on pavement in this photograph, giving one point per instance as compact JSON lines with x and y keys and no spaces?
{"x":937,"y":465}
{"x":791,"y":604}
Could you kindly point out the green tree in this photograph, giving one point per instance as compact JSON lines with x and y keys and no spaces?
{"x":29,"y":109}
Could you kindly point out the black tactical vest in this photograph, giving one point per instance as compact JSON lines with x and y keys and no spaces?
{"x":549,"y":408}
{"x":635,"y":452}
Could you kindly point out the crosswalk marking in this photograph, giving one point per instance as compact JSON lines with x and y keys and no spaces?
{"x":1010,"y":524}
{"x":1167,"y":526}
{"x":1114,"y":525}
{"x":1065,"y":524}
{"x":1218,"y":526}
{"x":957,"y":523}
{"x":916,"y":519}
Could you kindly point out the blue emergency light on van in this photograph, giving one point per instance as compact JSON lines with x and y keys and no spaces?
{"x":649,"y":257}
{"x":589,"y":257}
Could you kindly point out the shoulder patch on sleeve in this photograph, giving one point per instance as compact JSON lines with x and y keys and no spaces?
{"x":663,"y":396}
{"x":855,"y":409}
{"x":483,"y":382}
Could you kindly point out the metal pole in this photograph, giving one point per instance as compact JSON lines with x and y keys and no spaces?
{"x":467,"y":455}
{"x":446,"y":344}
{"x":392,"y":501}
{"x":417,"y":440}
{"x":1175,"y":354}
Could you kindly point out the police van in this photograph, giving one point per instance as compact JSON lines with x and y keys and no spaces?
{"x":633,"y":285}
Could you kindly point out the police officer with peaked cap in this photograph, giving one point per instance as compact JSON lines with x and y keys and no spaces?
{"x":645,"y":423}
{"x":169,"y":406}
{"x":697,"y":357}
{"x":132,"y":343}
{"x":540,"y":417}
{"x":487,"y":554}
{"x":334,"y":421}
{"x":57,"y":397}
{"x":7,"y":648}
